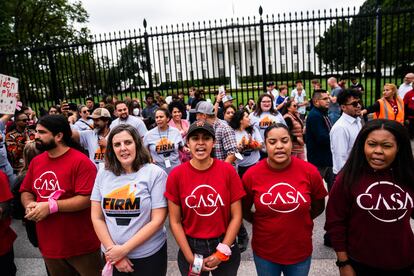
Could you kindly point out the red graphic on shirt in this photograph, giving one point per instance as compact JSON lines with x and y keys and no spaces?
{"x":385,"y":201}
{"x":204,"y":200}
{"x":46,"y":184}
{"x":282,"y":198}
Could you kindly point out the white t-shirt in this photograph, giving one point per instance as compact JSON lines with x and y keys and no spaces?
{"x":81,"y":125}
{"x":250,"y":156}
{"x":164,"y":147}
{"x":89,"y":140}
{"x":300,"y":99}
{"x":265,"y":120}
{"x":127,"y":201}
{"x":133,"y":121}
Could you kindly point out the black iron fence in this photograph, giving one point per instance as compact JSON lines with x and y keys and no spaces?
{"x":375,"y":46}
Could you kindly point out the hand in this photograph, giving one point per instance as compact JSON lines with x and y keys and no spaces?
{"x":220,"y":97}
{"x":37,"y":213}
{"x":347,"y":271}
{"x":210,"y":263}
{"x":30,"y":207}
{"x":124,"y":265}
{"x":115,"y":253}
{"x":300,"y":141}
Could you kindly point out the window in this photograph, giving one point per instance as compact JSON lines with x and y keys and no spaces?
{"x":179,"y":76}
{"x":309,"y":66}
{"x":222,"y":72}
{"x":204,"y":73}
{"x":295,"y":67}
{"x":251,"y":70}
{"x":282,"y":50}
{"x":190,"y":58}
{"x":308,"y":49}
{"x":221,"y":56}
{"x":157,"y":77}
{"x":203,"y":57}
{"x":283,"y":69}
{"x":167,"y":76}
{"x":295,"y":49}
{"x":270,"y":69}
{"x":269,"y":51}
{"x":191,"y":75}
{"x":178,"y":59}
{"x":166,"y":62}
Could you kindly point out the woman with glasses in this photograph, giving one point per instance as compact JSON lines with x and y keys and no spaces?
{"x":84,"y":123}
{"x":288,"y":193}
{"x":264,"y":116}
{"x":164,"y":142}
{"x":296,"y":127}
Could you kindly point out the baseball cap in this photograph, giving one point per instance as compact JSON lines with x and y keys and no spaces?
{"x":204,"y":107}
{"x":201,"y":125}
{"x":227,"y":98}
{"x":99,"y":113}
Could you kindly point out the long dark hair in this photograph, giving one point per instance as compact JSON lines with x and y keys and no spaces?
{"x":402,"y":165}
{"x":236,"y":121}
{"x":142,"y":156}
{"x":259,"y":110}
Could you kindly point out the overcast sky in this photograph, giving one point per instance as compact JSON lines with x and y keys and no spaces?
{"x":114,"y":15}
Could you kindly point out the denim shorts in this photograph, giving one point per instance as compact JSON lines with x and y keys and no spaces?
{"x":206,"y":247}
{"x":268,"y":268}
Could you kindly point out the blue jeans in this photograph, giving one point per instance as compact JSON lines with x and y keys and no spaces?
{"x":8,"y":170}
{"x":206,"y":248}
{"x":268,"y":268}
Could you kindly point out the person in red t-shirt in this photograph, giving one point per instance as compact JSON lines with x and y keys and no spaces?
{"x":6,"y":233}
{"x":204,"y":204}
{"x":288,"y":193}
{"x":55,"y":194}
{"x":409,"y":111}
{"x":371,"y":203}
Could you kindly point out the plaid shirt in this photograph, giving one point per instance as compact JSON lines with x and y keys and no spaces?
{"x":225,"y":140}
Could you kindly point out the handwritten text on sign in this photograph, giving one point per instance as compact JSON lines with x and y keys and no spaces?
{"x":8,"y":93}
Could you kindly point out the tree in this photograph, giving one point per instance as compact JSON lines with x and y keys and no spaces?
{"x":346,"y":43}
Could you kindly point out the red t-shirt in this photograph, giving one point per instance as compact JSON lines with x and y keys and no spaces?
{"x":409,"y":102}
{"x":204,"y":197}
{"x":63,"y":234}
{"x":6,"y":233}
{"x":282,"y":225}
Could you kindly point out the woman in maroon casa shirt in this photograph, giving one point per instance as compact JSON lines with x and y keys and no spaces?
{"x":288,"y":193}
{"x":370,"y":204}
{"x":204,"y":204}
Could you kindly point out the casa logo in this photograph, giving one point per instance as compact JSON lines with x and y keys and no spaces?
{"x":385,"y":201}
{"x":282,"y":198}
{"x":46,"y":184}
{"x":204,"y":200}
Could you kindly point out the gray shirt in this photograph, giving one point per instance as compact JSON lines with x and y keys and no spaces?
{"x":89,"y":140}
{"x":164,"y":147}
{"x":334,"y":107}
{"x":127,"y":201}
{"x":133,"y":121}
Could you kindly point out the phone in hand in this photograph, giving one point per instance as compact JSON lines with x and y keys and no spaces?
{"x":222,"y":90}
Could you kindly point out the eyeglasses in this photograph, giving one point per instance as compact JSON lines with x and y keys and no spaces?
{"x":85,"y":111}
{"x":355,"y":103}
{"x":294,"y":105}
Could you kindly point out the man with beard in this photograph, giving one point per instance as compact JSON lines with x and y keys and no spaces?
{"x":95,"y":140}
{"x":122,"y":111}
{"x":55,"y":194}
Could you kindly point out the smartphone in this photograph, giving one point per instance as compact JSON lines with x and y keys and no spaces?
{"x":222,"y":91}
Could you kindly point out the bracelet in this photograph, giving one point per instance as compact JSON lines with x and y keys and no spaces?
{"x":224,"y":248}
{"x":221,"y":256}
{"x":53,"y":206}
{"x":195,"y":268}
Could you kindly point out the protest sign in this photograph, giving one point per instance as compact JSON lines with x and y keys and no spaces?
{"x":8,"y":93}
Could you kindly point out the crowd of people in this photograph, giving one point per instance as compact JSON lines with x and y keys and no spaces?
{"x":94,"y":183}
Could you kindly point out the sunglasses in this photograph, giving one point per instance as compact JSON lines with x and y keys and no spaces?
{"x":355,"y":103}
{"x":294,"y":105}
{"x":86,"y":111}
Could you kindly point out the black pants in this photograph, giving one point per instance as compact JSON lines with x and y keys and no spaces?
{"x":206,"y":248}
{"x":364,"y":270}
{"x":7,"y":266}
{"x":154,"y":265}
{"x":328,"y":175}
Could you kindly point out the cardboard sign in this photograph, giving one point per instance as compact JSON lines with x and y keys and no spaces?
{"x":8,"y":93}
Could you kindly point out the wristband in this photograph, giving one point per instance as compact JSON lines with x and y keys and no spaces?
{"x":195,"y":268}
{"x":53,"y":206}
{"x":221,"y":256}
{"x":224,"y":248}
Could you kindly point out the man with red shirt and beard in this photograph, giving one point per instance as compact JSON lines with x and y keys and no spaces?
{"x":55,"y":194}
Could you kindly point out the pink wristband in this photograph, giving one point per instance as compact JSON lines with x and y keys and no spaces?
{"x":224,"y":248}
{"x":53,"y":206}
